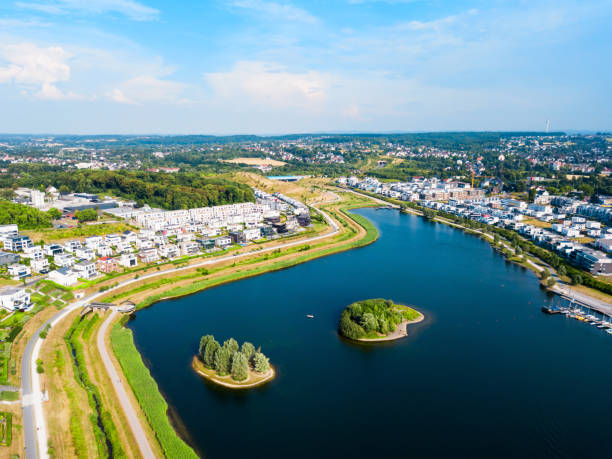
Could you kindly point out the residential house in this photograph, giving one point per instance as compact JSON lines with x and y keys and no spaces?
{"x":63,"y":260}
{"x":63,"y":276}
{"x":252,"y":233}
{"x":112,"y":239}
{"x":148,"y":255}
{"x":223,"y":241}
{"x":15,"y":298}
{"x":144,"y":243}
{"x":53,"y":249}
{"x":128,"y":260}
{"x":104,"y":251}
{"x":40,"y":266}
{"x":85,"y":253}
{"x":72,"y":246}
{"x":107,"y":265}
{"x":17,"y":243}
{"x":18,"y":271}
{"x":93,"y":242}
{"x":237,"y":237}
{"x":207,"y":244}
{"x":190,"y":248}
{"x":86,"y":269}
{"x":124,"y":247}
{"x":169,"y":251}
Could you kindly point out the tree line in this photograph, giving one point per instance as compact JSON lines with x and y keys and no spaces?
{"x":231,"y":359}
{"x":179,"y":190}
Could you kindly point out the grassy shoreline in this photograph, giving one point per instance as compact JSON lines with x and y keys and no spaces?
{"x":147,"y":393}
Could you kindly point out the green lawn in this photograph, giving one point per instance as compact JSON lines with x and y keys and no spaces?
{"x":145,"y":388}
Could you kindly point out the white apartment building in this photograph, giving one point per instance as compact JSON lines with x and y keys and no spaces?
{"x":63,"y":260}
{"x":86,"y":269}
{"x":14,"y":298}
{"x":128,"y":260}
{"x":64,"y":276}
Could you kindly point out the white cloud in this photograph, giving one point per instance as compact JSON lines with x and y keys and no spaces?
{"x":35,"y":69}
{"x":148,"y":88}
{"x":130,"y":8}
{"x":283,"y":11}
{"x":271,"y":85}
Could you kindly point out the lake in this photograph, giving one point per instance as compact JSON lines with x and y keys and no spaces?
{"x":486,"y":374}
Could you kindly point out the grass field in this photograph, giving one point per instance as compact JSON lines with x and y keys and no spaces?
{"x":52,"y":234}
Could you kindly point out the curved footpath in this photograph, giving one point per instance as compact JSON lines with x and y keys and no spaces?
{"x":34,"y":426}
{"x":124,"y":400}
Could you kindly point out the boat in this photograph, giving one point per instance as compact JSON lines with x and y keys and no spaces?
{"x":609,"y":331}
{"x":310,"y":316}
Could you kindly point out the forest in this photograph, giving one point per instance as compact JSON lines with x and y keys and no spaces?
{"x":168,"y":191}
{"x":373,"y":318}
{"x":231,"y":359}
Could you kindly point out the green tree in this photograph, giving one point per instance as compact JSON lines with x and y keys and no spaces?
{"x":86,"y":215}
{"x":561,"y":270}
{"x":248,"y":350}
{"x":209,"y":353}
{"x":222,"y":361}
{"x":203,"y":342}
{"x":232,"y":345}
{"x":368,"y":322}
{"x":532,"y":194}
{"x":240,"y":367}
{"x":261,"y":363}
{"x":576,"y":278}
{"x":54,"y":213}
{"x":551,"y":281}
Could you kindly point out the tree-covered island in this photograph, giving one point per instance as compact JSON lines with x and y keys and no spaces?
{"x":231,"y":365}
{"x":376,"y":320}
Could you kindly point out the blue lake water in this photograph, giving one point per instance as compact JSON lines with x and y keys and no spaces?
{"x":487,"y":374}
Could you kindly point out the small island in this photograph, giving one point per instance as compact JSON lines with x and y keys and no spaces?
{"x":376,"y":320}
{"x":231,"y":365}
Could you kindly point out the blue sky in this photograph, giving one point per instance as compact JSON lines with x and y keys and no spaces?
{"x":289,"y":66}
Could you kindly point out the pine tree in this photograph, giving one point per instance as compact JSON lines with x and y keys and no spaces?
{"x":203,"y":342}
{"x":209,"y":353}
{"x":222,"y":361}
{"x":248,"y":350}
{"x":240,"y":367}
{"x":232,"y":345}
{"x":261,"y":363}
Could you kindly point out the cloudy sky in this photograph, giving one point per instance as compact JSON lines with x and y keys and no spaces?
{"x":287,"y":66}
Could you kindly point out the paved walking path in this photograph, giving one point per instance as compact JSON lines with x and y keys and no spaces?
{"x":124,"y":399}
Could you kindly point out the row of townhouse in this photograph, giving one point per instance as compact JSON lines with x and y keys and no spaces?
{"x":594,"y":261}
{"x":418,"y":188}
{"x":214,"y":217}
